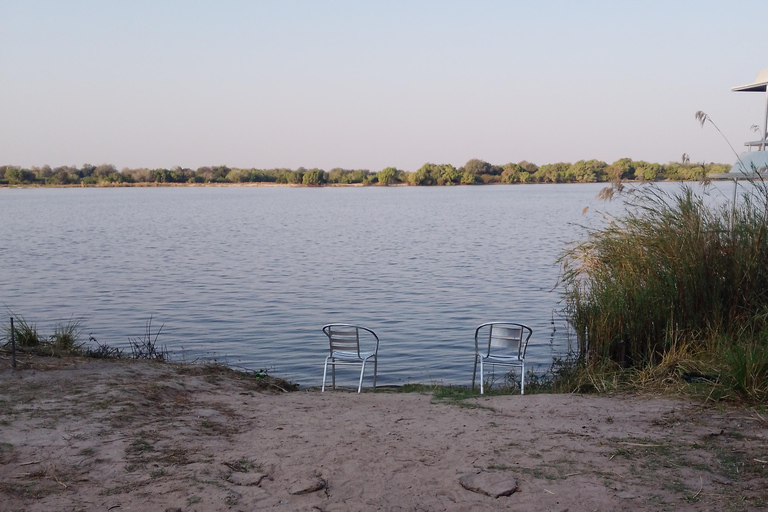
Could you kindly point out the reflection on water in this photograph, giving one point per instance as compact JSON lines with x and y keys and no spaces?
{"x":250,"y":275}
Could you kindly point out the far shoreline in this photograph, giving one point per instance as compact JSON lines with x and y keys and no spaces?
{"x":328,"y":185}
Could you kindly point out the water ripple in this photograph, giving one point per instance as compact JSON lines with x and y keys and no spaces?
{"x":249,"y":275}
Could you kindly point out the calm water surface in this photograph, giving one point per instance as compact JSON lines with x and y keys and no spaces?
{"x":249,"y":275}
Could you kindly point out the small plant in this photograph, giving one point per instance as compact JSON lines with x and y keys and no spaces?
{"x":24,"y":333}
{"x":65,"y":340}
{"x":747,"y":361}
{"x":66,"y":337}
{"x":458,"y":395}
{"x":453,"y":393}
{"x":561,"y":376}
{"x":146,"y":347}
{"x":102,"y":351}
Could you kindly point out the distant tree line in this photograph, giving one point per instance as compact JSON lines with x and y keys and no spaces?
{"x":473,"y":172}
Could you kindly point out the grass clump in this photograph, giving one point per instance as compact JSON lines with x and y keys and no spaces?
{"x":746,"y":362}
{"x":65,"y":339}
{"x":146,"y":347}
{"x":676,"y":290}
{"x":25,"y":333}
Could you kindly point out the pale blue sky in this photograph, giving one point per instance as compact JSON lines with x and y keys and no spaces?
{"x":364,"y":84}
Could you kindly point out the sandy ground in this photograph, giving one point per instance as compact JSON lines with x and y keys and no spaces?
{"x":124,"y":436}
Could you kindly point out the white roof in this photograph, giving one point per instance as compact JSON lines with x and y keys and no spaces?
{"x":757,"y":86}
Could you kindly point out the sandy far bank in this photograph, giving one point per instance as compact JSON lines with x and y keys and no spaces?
{"x":80,"y":434}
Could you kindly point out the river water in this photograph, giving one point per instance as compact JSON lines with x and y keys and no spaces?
{"x":249,"y":275}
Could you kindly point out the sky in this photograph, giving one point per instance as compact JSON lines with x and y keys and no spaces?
{"x":371,"y":84}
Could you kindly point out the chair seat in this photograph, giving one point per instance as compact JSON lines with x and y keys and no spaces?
{"x":502,"y":359}
{"x":350,"y":356}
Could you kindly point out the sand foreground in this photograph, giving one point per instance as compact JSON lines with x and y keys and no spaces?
{"x":105,"y":435}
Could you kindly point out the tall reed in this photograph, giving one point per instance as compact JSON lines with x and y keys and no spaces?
{"x":673,"y":271}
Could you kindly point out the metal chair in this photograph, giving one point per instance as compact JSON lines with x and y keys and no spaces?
{"x":345,"y":350}
{"x":501,"y":343}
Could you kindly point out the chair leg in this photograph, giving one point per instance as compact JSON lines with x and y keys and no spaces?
{"x":325,"y":371}
{"x":362,"y":372}
{"x":522,"y":378}
{"x":333,"y":374}
{"x":474,"y":373}
{"x":375,"y":369}
{"x":482,"y":389}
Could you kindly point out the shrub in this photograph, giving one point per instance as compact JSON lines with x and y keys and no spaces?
{"x":24,"y":333}
{"x":675,"y":271}
{"x":146,"y":347}
{"x":64,"y":340}
{"x":746,"y":361}
{"x":66,"y":337}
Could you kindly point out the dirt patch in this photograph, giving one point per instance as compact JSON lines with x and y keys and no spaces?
{"x":123,"y":435}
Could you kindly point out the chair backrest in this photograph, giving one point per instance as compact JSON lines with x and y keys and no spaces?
{"x":502,"y":339}
{"x":346,"y":337}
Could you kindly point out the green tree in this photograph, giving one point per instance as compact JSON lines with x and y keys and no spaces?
{"x":295,"y":177}
{"x":180,"y":175}
{"x":489,"y":178}
{"x":388,"y":175}
{"x":14,"y":176}
{"x":205,"y":172}
{"x":478,"y":167}
{"x":236,"y":176}
{"x":468,"y":178}
{"x":86,"y":170}
{"x":118,"y":177}
{"x":621,"y":169}
{"x":587,"y":171}
{"x":58,"y":178}
{"x":511,"y":173}
{"x":161,"y":176}
{"x":427,"y":174}
{"x":718,"y":168}
{"x":219,"y":174}
{"x":359,"y":176}
{"x":139,"y":175}
{"x":19,"y":176}
{"x":552,"y":173}
{"x":528,"y":167}
{"x":646,"y":171}
{"x":449,"y":175}
{"x":338,"y":175}
{"x":693,"y":172}
{"x":313,"y":177}
{"x":43,"y":172}
{"x":104,"y":171}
